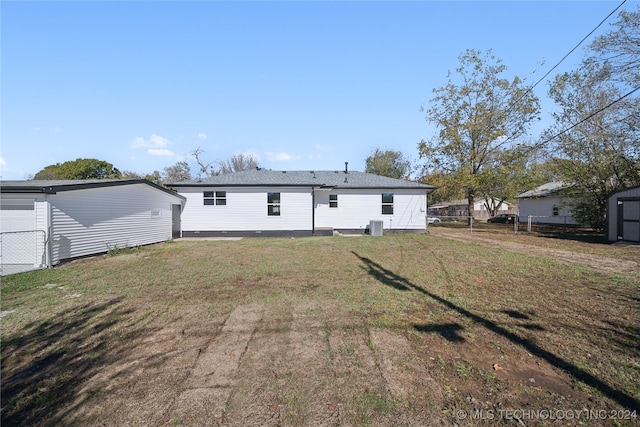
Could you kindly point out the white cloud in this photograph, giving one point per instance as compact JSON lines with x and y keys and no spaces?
{"x":155,"y":142}
{"x":280,"y":157}
{"x":2,"y":162}
{"x":202,"y":135}
{"x":160,"y":152}
{"x":321,"y":147}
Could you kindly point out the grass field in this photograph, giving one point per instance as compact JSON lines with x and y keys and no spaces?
{"x":434,"y":329}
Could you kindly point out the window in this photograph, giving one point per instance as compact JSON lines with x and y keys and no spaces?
{"x":387,"y":203}
{"x":273,"y":204}
{"x":333,"y":200}
{"x":215,"y":198}
{"x":556,"y":210}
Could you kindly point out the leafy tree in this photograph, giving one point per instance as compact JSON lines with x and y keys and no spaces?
{"x":80,"y":169}
{"x":478,"y":117}
{"x":388,"y":163}
{"x":618,"y":51}
{"x":237,"y":162}
{"x":177,"y":173}
{"x":596,"y":156}
{"x":131,"y":175}
{"x":154,"y":177}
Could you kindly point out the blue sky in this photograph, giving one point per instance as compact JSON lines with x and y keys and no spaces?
{"x":301,"y":85}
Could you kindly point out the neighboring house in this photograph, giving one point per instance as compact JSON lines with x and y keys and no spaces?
{"x":546,"y":205}
{"x":623,"y":215}
{"x":45,"y":222}
{"x":300,"y":203}
{"x":461,"y":208}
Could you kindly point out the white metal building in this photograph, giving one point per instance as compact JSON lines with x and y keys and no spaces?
{"x":290,"y":203}
{"x":45,"y":222}
{"x":623,"y":216}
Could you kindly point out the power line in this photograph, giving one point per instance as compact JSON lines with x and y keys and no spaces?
{"x":587,"y":118}
{"x":576,"y":46}
{"x":560,"y":62}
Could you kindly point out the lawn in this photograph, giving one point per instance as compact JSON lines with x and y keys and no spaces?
{"x":393,"y":330}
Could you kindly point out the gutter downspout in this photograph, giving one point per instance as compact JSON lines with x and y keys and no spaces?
{"x":313,"y":211}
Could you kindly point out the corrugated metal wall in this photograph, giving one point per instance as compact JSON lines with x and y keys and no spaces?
{"x":90,"y":221}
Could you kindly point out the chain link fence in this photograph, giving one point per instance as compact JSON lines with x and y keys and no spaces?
{"x":22,"y":251}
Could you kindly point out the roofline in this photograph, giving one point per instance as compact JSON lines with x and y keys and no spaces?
{"x":53,"y":189}
{"x":347,"y":187}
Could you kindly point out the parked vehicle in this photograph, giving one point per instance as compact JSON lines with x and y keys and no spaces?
{"x":433,"y":220}
{"x":502,"y":219}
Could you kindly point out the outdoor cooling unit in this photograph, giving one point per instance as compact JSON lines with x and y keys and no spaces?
{"x":375,"y":228}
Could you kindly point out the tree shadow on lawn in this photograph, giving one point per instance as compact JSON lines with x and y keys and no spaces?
{"x":389,"y":278}
{"x":46,"y":363}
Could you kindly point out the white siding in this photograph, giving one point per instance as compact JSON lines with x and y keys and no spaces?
{"x":246,"y":210}
{"x":356,"y":208}
{"x":89,"y":221}
{"x":541,"y":211}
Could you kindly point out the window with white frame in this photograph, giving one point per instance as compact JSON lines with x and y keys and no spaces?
{"x":218,"y":198}
{"x":273,"y":204}
{"x":333,"y":200}
{"x":387,"y":203}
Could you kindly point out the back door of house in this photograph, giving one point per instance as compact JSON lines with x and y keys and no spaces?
{"x":175,"y":221}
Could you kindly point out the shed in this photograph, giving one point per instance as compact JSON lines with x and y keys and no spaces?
{"x":45,"y":222}
{"x":623,"y":215}
{"x":261,"y":202}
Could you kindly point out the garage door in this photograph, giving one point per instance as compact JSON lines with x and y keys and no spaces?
{"x":17,"y":215}
{"x":21,"y":246}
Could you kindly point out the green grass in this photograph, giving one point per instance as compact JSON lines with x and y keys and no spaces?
{"x":462,"y":306}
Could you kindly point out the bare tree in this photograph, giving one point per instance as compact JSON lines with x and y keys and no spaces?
{"x":205,"y":168}
{"x":238,"y":162}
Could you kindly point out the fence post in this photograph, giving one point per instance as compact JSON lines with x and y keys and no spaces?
{"x":529,"y":224}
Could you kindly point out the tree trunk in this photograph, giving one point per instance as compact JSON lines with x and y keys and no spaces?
{"x":470,"y":206}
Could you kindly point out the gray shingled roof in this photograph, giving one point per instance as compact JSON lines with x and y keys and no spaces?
{"x":341,"y":179}
{"x":548,"y":189}
{"x":54,"y":186}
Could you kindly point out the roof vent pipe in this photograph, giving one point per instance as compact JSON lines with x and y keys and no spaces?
{"x":346,"y":167}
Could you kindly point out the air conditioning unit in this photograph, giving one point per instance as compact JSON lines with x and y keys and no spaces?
{"x":375,"y":228}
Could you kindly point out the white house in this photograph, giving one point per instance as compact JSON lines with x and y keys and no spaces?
{"x":45,"y":222}
{"x":546,"y":205}
{"x":623,"y":215}
{"x":461,"y":208}
{"x":300,"y":203}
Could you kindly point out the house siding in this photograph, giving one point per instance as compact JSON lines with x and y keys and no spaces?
{"x":356,"y":208}
{"x":89,"y":221}
{"x":246,"y":210}
{"x":541,"y":211}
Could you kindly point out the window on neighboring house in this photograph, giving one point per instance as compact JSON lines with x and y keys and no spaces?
{"x":556,"y":210}
{"x":333,"y":200}
{"x":273,"y":204}
{"x":215,"y":198}
{"x":387,"y":203}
